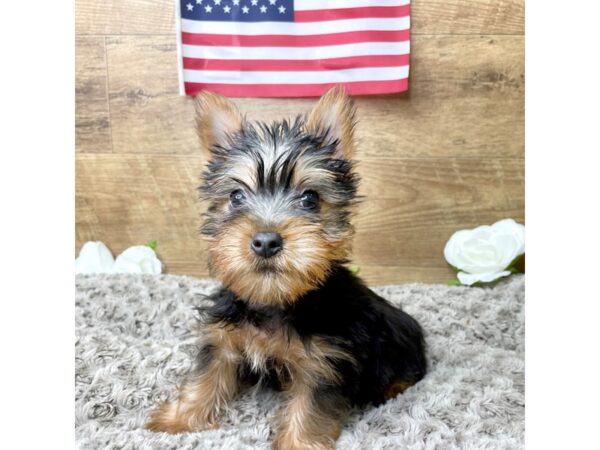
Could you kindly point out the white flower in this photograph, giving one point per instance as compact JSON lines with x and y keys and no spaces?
{"x":137,"y":259}
{"x":94,"y":257}
{"x":484,"y":253}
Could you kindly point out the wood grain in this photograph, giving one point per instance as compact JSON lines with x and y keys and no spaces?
{"x":468,"y":16}
{"x":92,"y":131}
{"x":412,"y":207}
{"x":109,"y":17}
{"x":469,"y":89}
{"x":136,"y":199}
{"x":446,"y":155}
{"x":147,"y":113}
{"x":152,"y":17}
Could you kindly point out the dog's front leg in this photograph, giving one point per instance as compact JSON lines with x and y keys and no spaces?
{"x":201,"y":397}
{"x":311,"y":418}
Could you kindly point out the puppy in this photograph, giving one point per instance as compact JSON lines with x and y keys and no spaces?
{"x":289,"y":314}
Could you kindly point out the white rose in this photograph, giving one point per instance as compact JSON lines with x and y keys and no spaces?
{"x":137,"y":259}
{"x":94,"y":257}
{"x":484,"y":253}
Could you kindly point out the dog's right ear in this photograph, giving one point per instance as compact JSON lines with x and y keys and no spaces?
{"x":217,"y":119}
{"x":335,"y":117}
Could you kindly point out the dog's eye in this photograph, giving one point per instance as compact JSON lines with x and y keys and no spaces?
{"x":237,"y":198}
{"x":309,"y":200}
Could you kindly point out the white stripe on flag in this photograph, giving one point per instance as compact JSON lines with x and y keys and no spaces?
{"x":304,"y":5}
{"x":289,"y":53}
{"x":322,"y":76}
{"x":300,"y":29}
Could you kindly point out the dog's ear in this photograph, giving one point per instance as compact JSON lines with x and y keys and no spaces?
{"x":217,"y":119}
{"x":335,"y":117}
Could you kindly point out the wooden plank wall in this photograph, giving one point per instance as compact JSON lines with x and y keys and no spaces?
{"x":447,"y":155}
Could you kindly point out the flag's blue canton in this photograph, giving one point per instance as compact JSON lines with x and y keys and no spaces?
{"x":238,"y":10}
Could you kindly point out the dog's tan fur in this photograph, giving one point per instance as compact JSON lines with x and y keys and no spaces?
{"x":335,"y":113}
{"x":305,"y":423}
{"x":200,"y":398}
{"x":216,"y":118}
{"x":306,"y":263}
{"x":204,"y":395}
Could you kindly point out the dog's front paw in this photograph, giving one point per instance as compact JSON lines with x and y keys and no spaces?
{"x":169,"y":418}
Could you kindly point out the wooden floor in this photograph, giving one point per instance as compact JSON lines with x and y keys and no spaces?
{"x":446,"y":155}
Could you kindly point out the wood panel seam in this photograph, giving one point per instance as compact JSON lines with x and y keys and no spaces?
{"x":359,"y":158}
{"x":112,"y":149}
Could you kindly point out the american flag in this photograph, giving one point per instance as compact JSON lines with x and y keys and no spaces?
{"x":293,"y":48}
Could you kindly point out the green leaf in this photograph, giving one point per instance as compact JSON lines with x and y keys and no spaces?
{"x":354,"y":268}
{"x":152,"y":245}
{"x":456,"y":269}
{"x":454,"y":282}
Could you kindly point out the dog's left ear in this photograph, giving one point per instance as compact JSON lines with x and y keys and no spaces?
{"x":335,"y":116}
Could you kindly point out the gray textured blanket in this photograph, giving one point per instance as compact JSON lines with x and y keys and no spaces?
{"x":135,"y":341}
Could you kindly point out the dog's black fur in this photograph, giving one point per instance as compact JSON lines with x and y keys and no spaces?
{"x":386,"y":343}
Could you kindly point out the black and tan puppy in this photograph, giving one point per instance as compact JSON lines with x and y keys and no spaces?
{"x":289,"y":314}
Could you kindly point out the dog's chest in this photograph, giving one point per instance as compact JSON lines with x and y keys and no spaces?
{"x":283,"y":351}
{"x":264,"y":348}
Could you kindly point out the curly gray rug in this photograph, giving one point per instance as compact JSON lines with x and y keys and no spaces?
{"x":134,"y":342}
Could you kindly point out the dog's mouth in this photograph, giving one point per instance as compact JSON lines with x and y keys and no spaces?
{"x":266,"y":266}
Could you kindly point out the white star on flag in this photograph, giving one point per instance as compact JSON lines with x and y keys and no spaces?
{"x":263,"y":9}
{"x":226,"y":9}
{"x":198,"y":2}
{"x":236,"y":2}
{"x":190,"y":7}
{"x":208,"y":8}
{"x":254,"y":2}
{"x":245,"y":9}
{"x":282,"y":9}
{"x":272,"y":2}
{"x":217,"y":2}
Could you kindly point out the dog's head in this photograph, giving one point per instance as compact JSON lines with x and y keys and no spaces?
{"x":280,"y":196}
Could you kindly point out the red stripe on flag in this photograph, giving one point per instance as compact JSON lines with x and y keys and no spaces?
{"x":350,"y":62}
{"x":276,"y":40}
{"x":297,"y":90}
{"x":367,"y":12}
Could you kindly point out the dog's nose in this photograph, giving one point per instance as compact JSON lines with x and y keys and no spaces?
{"x":266,"y":244}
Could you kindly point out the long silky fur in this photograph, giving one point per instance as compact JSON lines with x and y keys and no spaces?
{"x":298,"y":321}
